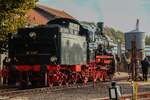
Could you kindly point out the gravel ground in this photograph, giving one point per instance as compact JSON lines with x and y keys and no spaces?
{"x":85,"y":93}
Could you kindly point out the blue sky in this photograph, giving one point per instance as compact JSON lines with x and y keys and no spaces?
{"x":119,"y":14}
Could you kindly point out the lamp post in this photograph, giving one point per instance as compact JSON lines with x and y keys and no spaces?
{"x":114,"y":91}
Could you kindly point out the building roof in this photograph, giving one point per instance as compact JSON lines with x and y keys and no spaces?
{"x":41,"y":14}
{"x":135,"y":31}
{"x":56,"y":12}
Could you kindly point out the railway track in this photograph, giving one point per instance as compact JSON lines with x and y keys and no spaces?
{"x":7,"y":90}
{"x":14,"y":92}
{"x":10,"y":93}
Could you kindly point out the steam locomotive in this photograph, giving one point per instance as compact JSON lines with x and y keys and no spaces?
{"x":58,"y":53}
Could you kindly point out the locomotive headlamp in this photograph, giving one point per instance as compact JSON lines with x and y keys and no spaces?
{"x":8,"y":60}
{"x":32,"y":34}
{"x":53,"y":58}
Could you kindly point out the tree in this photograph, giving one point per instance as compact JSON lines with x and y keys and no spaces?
{"x":113,"y":34}
{"x":12,"y":15}
{"x":147,"y":40}
{"x":120,"y":36}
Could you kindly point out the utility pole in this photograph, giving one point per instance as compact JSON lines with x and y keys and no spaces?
{"x":134,"y":59}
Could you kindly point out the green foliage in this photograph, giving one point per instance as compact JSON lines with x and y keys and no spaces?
{"x":114,"y":35}
{"x":147,"y":40}
{"x":12,"y":15}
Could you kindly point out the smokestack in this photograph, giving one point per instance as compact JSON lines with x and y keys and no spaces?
{"x":137,"y":25}
{"x":100,"y":26}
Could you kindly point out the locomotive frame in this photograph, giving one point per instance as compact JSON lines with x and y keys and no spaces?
{"x":30,"y":64}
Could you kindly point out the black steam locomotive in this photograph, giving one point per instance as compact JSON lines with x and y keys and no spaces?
{"x":62,"y":44}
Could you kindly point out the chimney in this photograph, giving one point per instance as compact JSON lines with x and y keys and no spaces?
{"x":100,"y":26}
